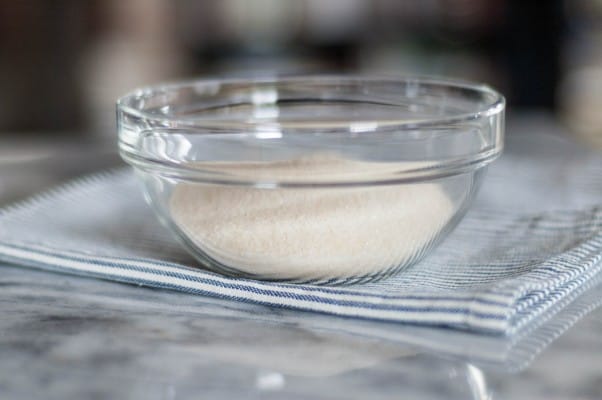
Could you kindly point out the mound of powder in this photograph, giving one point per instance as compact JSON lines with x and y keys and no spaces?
{"x":309,"y":233}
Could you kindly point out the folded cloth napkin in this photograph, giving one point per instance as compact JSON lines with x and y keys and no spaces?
{"x":533,"y":238}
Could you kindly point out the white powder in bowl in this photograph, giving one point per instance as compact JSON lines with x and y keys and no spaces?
{"x":309,"y":233}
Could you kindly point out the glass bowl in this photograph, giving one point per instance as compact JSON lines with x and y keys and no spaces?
{"x":329,"y":179}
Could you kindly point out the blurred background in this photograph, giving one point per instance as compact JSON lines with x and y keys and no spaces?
{"x":64,"y":62}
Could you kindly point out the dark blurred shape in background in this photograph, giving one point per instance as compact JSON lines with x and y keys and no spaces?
{"x":64,"y":62}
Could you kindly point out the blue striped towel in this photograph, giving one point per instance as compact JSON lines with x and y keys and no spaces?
{"x":533,"y":238}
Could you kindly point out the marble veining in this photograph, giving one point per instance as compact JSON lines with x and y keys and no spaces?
{"x":70,"y":337}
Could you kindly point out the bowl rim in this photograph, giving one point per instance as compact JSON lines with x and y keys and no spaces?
{"x":181,"y":170}
{"x":493,"y":107}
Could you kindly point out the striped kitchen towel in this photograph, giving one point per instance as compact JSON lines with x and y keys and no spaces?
{"x":532,"y":239}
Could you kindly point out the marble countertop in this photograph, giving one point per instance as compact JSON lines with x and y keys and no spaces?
{"x":70,"y":337}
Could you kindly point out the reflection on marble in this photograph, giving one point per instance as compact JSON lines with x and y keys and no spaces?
{"x":69,"y":337}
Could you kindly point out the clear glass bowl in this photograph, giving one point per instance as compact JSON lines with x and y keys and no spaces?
{"x":332,"y":179}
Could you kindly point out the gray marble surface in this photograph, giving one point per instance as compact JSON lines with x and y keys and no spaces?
{"x":70,"y":337}
{"x":64,"y":337}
